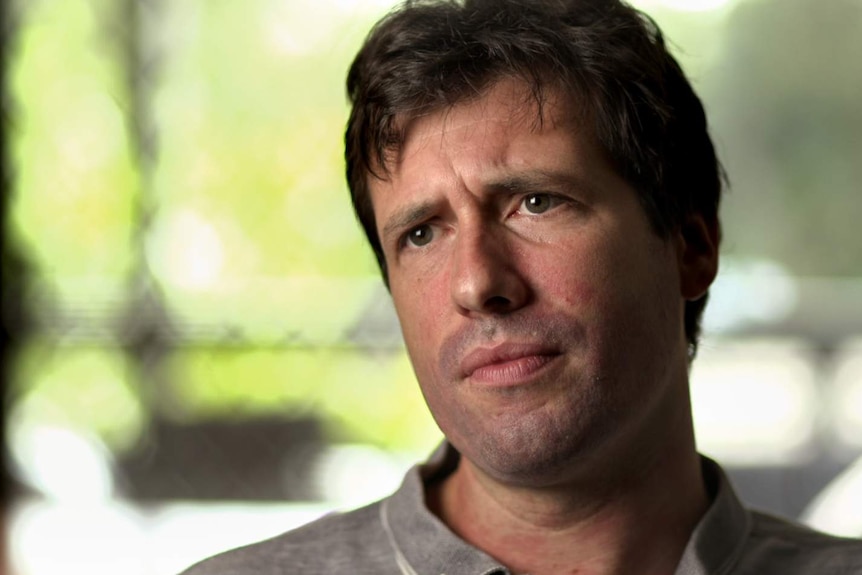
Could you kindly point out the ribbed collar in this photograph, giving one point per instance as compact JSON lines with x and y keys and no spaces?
{"x":424,"y":545}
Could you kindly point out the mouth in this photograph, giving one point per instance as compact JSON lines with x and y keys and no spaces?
{"x":507,"y":364}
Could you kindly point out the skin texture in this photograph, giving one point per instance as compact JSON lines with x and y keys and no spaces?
{"x":544,"y":320}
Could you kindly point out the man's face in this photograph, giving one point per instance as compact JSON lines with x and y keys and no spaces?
{"x":542,"y":314}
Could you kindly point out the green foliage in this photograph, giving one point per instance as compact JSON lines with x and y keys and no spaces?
{"x":785,"y":107}
{"x":361,"y":397}
{"x":250,"y":116}
{"x":75,"y":181}
{"x":87,"y":389}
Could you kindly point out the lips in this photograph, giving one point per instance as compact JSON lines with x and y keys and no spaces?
{"x":506,"y":364}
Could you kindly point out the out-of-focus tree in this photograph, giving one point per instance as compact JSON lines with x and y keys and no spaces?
{"x":785,"y":107}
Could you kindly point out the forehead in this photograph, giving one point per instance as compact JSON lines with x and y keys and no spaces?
{"x":506,"y":105}
{"x":504,"y":141}
{"x":508,"y":127}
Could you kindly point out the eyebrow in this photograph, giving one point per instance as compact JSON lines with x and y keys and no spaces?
{"x":407,"y":217}
{"x":537,"y":180}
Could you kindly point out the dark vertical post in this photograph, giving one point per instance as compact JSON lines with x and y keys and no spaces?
{"x":15,"y":321}
{"x":143,"y":328}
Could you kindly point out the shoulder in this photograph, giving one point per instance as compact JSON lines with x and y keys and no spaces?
{"x":777,"y":545}
{"x":354,"y":542}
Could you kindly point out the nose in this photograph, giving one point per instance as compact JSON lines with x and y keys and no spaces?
{"x":485,"y":277}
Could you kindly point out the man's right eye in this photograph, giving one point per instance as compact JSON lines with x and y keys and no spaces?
{"x":420,"y":236}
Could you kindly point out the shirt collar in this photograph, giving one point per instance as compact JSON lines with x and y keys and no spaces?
{"x":719,"y":537}
{"x":424,"y":545}
{"x":423,"y":541}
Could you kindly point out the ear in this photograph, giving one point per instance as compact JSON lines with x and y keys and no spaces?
{"x":697,"y":253}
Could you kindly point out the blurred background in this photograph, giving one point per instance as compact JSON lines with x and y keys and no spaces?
{"x":197,"y":349}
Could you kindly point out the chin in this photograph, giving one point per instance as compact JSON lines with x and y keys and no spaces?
{"x":536,"y":450}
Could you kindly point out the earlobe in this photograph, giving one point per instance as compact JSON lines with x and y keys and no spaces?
{"x":699,"y":240}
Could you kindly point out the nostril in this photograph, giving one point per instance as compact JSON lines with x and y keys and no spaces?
{"x":497,"y":303}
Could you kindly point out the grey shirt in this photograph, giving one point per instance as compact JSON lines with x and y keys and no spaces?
{"x":399,"y":536}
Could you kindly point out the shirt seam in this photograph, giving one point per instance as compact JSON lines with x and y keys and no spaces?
{"x":400,"y":560}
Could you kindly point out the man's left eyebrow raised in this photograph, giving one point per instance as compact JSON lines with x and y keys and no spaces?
{"x":537,"y":180}
{"x":407,"y":217}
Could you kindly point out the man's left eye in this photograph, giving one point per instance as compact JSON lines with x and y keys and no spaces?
{"x":538,"y":203}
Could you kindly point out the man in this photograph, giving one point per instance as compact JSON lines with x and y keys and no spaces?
{"x":538,"y":184}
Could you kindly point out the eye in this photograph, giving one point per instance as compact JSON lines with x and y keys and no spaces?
{"x":538,"y":203}
{"x":420,"y":235}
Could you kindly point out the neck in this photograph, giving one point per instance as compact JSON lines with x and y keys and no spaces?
{"x":614,"y":519}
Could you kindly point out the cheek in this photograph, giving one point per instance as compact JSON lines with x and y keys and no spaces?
{"x":573,"y":292}
{"x":571,"y":278}
{"x":420,"y":305}
{"x":591,"y":282}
